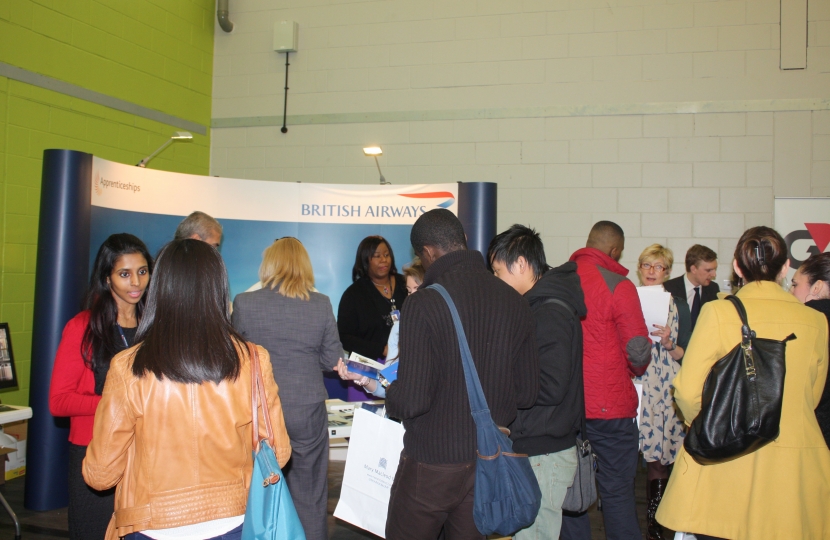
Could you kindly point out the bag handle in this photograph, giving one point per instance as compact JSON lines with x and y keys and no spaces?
{"x":258,"y":398}
{"x":583,"y":427}
{"x":475,"y":394}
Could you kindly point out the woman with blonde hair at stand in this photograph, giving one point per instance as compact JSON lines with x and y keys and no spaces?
{"x":296,"y":326}
{"x":661,"y":432}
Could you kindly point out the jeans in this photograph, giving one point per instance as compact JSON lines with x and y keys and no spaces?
{"x":428,"y":496}
{"x":555,"y":473}
{"x":233,"y":534}
{"x":616,"y":445}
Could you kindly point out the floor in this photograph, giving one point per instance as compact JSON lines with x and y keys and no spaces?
{"x":52,"y":525}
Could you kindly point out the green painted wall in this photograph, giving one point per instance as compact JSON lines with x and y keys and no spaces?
{"x":155,"y":53}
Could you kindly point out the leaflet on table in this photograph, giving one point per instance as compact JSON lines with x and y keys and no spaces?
{"x":363,"y":365}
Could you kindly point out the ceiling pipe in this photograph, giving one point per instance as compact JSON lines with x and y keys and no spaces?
{"x":222,"y":15}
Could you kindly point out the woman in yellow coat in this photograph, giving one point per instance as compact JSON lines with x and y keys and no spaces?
{"x":783,"y":489}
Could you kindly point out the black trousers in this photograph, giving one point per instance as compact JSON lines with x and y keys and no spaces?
{"x":616,"y":444}
{"x":307,"y":470}
{"x":90,"y":511}
{"x":426,"y":497}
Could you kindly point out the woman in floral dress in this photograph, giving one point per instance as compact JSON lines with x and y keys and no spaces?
{"x":661,"y":432}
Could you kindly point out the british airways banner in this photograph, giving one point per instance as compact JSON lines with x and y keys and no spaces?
{"x":330,"y":219}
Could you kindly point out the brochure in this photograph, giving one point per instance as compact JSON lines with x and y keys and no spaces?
{"x":363,"y":365}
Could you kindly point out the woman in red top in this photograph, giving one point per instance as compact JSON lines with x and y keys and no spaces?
{"x":114,"y":303}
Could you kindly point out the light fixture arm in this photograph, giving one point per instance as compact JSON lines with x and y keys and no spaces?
{"x":177,"y":136}
{"x":383,"y":181}
{"x":143,"y":162}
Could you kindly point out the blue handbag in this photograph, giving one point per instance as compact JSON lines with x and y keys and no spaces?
{"x":507,"y":495}
{"x":270,"y":513}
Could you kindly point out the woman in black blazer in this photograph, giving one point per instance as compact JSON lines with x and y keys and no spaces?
{"x":364,"y":318}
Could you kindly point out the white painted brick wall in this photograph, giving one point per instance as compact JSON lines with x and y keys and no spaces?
{"x":678,"y":179}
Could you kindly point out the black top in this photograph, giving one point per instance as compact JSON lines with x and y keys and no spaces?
{"x":430,"y":394}
{"x":552,"y":423}
{"x":823,"y":408}
{"x":363,"y":316}
{"x":101,"y":371}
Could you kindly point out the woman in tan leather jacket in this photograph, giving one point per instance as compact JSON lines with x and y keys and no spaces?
{"x":173,"y":428}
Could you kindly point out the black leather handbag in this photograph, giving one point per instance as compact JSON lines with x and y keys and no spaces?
{"x":741,"y":403}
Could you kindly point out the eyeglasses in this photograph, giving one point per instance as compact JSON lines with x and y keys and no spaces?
{"x":649,"y":266}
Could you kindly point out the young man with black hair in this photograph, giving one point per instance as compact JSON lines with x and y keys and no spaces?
{"x":435,"y":481}
{"x":547,"y":431}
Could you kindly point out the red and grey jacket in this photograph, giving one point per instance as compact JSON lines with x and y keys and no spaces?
{"x":616,"y":343}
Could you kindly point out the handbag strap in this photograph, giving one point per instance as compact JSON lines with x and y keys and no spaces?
{"x":258,"y":398}
{"x":746,"y":332}
{"x":475,"y":394}
{"x":583,"y":426}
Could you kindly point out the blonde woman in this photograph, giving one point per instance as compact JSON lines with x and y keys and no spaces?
{"x":661,"y":432}
{"x":296,"y":326}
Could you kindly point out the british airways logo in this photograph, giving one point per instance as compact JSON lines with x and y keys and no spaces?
{"x":423,"y":202}
{"x":448,"y":199}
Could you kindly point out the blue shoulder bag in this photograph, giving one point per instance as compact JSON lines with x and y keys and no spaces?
{"x":507,"y":496}
{"x":270,"y":513}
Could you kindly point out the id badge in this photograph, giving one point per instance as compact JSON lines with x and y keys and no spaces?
{"x":395,"y":315}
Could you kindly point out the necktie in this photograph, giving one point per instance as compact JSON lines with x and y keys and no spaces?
{"x":695,"y":307}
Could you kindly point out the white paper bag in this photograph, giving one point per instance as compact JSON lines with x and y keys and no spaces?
{"x":374,"y":451}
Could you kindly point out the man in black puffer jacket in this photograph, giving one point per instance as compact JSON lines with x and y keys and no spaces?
{"x":547,"y":431}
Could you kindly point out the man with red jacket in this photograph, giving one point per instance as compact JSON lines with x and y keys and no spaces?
{"x":616,"y":348}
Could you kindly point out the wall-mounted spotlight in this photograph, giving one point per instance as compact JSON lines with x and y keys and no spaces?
{"x":375,"y":151}
{"x":177,"y":136}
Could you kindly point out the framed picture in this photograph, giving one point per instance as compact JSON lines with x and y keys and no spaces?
{"x":8,"y":373}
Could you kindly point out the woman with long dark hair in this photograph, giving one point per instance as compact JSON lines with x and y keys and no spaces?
{"x":364,"y":317}
{"x":112,"y":310}
{"x":781,"y":489}
{"x":173,"y":428}
{"x":811,"y":285}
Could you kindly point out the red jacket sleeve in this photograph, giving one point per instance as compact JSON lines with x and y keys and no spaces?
{"x":68,"y":396}
{"x":631,"y":327}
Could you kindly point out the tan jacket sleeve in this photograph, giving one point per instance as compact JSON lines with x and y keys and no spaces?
{"x":113,"y":432}
{"x":282,"y":446}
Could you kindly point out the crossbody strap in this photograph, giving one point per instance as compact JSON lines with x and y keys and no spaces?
{"x":475,"y":394}
{"x":551,"y":300}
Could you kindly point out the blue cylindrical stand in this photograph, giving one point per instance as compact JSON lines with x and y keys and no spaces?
{"x":477,"y":206}
{"x":60,"y":281}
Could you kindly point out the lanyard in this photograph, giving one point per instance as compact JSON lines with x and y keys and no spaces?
{"x":121,"y":331}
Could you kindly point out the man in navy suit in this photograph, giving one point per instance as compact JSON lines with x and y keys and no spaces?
{"x":697,"y":285}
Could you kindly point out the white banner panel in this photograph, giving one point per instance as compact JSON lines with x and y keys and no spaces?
{"x":805,"y":225}
{"x":124,"y":187}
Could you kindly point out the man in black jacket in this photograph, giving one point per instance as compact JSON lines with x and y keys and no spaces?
{"x":547,"y":431}
{"x":697,"y":286}
{"x":434,"y":484}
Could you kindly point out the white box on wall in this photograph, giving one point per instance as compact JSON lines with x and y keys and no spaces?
{"x":285,"y":36}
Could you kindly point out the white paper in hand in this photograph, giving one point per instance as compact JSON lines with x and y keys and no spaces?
{"x":654,"y":301}
{"x":374,"y":451}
